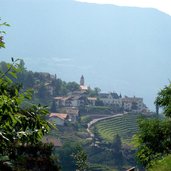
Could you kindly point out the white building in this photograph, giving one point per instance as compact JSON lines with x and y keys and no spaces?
{"x":110,"y":99}
{"x":92,"y":100}
{"x":135,"y":104}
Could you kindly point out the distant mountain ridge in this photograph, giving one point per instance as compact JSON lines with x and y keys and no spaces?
{"x":116,"y":48}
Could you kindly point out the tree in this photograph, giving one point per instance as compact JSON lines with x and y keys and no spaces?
{"x":21,"y":127}
{"x":74,"y":155}
{"x":36,"y":157}
{"x":94,"y":92}
{"x":42,"y":92}
{"x":154,"y":135}
{"x":99,"y":102}
{"x":3,"y":66}
{"x":163,"y":164}
{"x":80,"y":158}
{"x":57,"y":83}
{"x":53,"y":107}
{"x":2,"y":43}
{"x":18,"y":125}
{"x":164,"y":100}
{"x":117,"y":150}
{"x":21,"y":75}
{"x":29,"y":80}
{"x":72,"y":86}
{"x":154,"y":139}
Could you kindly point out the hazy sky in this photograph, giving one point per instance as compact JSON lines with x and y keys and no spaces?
{"x":164,"y":6}
{"x":122,"y":49}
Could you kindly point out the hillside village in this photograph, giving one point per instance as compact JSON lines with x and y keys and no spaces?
{"x":78,"y":102}
{"x":67,"y":101}
{"x":74,"y":109}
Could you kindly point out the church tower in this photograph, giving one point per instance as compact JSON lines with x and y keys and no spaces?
{"x":82,"y":81}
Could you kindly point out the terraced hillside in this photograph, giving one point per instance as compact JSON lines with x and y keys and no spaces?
{"x":125,"y":126}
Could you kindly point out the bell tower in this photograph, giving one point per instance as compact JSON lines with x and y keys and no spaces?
{"x":82,"y":81}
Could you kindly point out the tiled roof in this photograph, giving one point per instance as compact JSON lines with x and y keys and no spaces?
{"x":63,"y":98}
{"x":62,"y":116}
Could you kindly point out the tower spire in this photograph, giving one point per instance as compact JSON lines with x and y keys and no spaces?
{"x":82,"y":80}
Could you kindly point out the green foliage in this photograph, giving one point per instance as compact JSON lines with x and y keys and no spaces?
{"x":163,"y":164}
{"x":72,"y":86}
{"x":153,"y":138}
{"x":97,"y":155}
{"x":99,"y":102}
{"x":45,"y":86}
{"x":72,"y":157}
{"x":106,"y":154}
{"x":97,"y":109}
{"x":117,"y":150}
{"x":2,"y":43}
{"x":42,"y":92}
{"x":93,"y":92}
{"x":117,"y":143}
{"x":62,"y":88}
{"x":80,"y":158}
{"x":19,"y":125}
{"x":85,"y":120}
{"x":164,"y":100}
{"x":53,"y":107}
{"x":35,"y":157}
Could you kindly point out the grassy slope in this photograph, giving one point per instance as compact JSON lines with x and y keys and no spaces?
{"x":162,"y":165}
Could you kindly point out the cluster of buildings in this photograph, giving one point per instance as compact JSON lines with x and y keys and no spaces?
{"x":70,"y":114}
{"x":71,"y":103}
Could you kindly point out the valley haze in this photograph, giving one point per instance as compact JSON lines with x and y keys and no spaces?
{"x":116,"y":48}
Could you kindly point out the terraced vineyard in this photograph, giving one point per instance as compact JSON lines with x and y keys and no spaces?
{"x":125,"y":126}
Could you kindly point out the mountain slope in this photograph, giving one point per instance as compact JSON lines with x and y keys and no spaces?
{"x":116,"y":48}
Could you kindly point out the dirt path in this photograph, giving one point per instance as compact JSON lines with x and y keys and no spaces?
{"x":97,"y":120}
